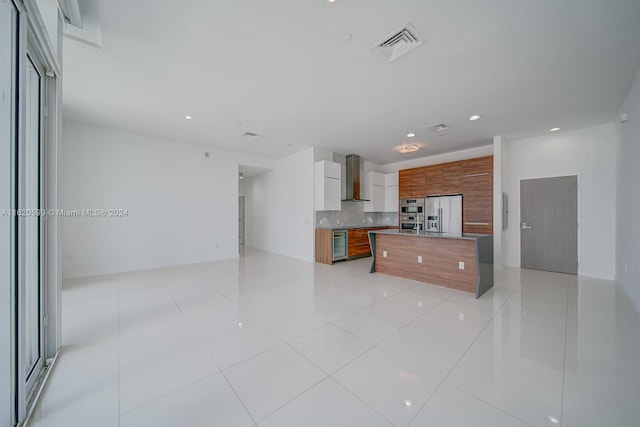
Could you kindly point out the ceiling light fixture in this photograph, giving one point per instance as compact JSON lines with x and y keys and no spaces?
{"x":411,"y":135}
{"x":474,"y":117}
{"x":411,"y":148}
{"x":188,"y":117}
{"x":240,"y":176}
{"x":554,"y":129}
{"x":332,"y":1}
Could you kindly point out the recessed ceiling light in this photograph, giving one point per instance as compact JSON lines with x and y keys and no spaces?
{"x":474,"y":118}
{"x":407,"y":403}
{"x":554,"y":129}
{"x":410,"y":148}
{"x":553,"y":419}
{"x":188,"y":117}
{"x":411,"y":135}
{"x":332,"y":1}
{"x":241,"y":176}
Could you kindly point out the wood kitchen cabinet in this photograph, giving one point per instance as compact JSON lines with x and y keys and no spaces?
{"x":444,"y":179}
{"x":434,"y":180}
{"x":479,"y":165}
{"x":324,"y":245}
{"x":358,"y":242}
{"x":452,"y":178}
{"x":472,"y":178}
{"x":412,"y":183}
{"x":418,"y":182}
{"x":477,"y":187}
{"x":404,"y":183}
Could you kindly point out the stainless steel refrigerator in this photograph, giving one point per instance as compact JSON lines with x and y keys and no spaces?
{"x":444,"y":214}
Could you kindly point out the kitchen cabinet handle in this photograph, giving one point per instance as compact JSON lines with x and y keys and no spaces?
{"x":476,"y":223}
{"x":477,"y":174}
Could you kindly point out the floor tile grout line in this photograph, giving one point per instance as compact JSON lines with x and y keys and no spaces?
{"x":393,"y":333}
{"x":221,"y":371}
{"x":142,"y":405}
{"x":358,"y":397}
{"x":493,"y":315}
{"x":203,"y":280}
{"x":292,"y":399}
{"x":248,"y":358}
{"x":492,"y":405}
{"x":327,"y":375}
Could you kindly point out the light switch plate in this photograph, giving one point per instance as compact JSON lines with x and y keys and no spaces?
{"x":384,"y":254}
{"x":461,"y":265}
{"x":420,"y":259}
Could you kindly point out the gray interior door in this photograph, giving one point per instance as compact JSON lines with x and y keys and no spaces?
{"x":241,"y":220}
{"x":549,"y":224}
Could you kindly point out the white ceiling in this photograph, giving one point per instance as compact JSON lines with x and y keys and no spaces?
{"x":283,"y":69}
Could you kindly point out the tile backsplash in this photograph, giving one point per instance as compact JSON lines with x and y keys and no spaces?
{"x":353,"y":215}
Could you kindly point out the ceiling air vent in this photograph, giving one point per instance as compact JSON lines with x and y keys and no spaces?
{"x":251,"y":135}
{"x":439,"y":128}
{"x":399,"y":42}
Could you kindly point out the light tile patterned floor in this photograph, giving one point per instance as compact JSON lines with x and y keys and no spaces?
{"x":273,"y":341}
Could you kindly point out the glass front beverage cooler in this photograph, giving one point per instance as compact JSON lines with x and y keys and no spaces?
{"x":339,"y":245}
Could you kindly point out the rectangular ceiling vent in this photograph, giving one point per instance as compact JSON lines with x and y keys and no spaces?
{"x":399,"y":42}
{"x":251,"y":135}
{"x":439,"y":128}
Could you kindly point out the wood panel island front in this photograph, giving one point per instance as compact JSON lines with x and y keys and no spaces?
{"x":458,"y":261}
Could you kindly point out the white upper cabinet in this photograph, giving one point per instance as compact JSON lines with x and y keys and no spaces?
{"x":374,"y":190}
{"x":391,"y":179}
{"x":391,"y":192}
{"x":327,"y":186}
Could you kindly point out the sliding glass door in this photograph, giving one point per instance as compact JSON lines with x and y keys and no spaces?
{"x":31,"y":222}
{"x":29,"y":282}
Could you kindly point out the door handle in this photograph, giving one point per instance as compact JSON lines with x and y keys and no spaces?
{"x":525,"y":226}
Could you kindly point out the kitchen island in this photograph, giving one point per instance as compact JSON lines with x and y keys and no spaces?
{"x":459,"y":261}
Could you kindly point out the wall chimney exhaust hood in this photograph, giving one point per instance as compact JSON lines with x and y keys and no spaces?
{"x":353,"y":179}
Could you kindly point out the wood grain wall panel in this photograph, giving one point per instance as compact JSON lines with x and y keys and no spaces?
{"x":324,"y":245}
{"x":452,"y":178}
{"x":440,"y":259}
{"x":434,"y":180}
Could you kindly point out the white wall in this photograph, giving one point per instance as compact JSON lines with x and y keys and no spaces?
{"x":182,"y":206}
{"x":588,"y":153}
{"x":280,"y":207}
{"x":628,"y":202}
{"x":469,"y":153}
